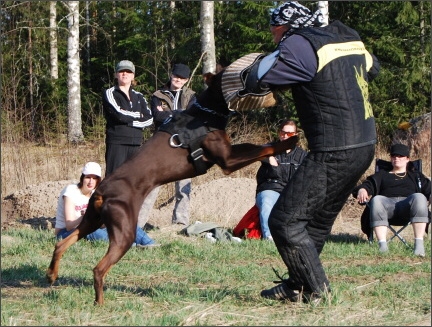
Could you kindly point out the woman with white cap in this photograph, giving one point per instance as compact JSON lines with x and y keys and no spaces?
{"x":73,"y":202}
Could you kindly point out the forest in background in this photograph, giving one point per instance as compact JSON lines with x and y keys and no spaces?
{"x":157,"y":34}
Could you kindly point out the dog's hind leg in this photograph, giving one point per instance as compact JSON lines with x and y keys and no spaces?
{"x":114,"y":254}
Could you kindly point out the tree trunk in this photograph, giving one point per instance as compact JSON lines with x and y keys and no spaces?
{"x":207,"y":37}
{"x":172,"y":43}
{"x":30,"y":65}
{"x":323,"y":6}
{"x":88,"y":54}
{"x":75,"y":133}
{"x":53,"y":40}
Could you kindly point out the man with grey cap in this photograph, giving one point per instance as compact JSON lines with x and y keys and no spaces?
{"x":327,"y":69}
{"x":171,"y":97}
{"x":127,"y":114}
{"x":399,"y":195}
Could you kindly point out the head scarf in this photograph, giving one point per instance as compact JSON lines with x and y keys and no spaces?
{"x":296,"y":15}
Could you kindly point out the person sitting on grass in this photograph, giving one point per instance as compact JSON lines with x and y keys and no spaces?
{"x":400,"y":194}
{"x":73,"y":202}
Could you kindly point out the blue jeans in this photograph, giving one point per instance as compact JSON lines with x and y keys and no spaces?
{"x":265,"y":201}
{"x":101,"y":234}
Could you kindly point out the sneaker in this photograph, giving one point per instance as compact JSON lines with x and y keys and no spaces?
{"x":281,"y":292}
{"x":311,"y":298}
{"x":149,"y":227}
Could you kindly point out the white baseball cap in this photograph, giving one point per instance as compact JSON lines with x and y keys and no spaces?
{"x":92,"y":168}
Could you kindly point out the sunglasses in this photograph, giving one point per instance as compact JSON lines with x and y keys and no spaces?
{"x":289,"y":134}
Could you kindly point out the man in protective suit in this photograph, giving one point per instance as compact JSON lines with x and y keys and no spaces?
{"x":328,"y":70}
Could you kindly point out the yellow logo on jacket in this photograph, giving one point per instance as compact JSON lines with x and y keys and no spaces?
{"x":363,"y":85}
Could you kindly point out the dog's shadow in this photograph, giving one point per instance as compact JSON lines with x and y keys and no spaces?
{"x":345,"y":238}
{"x":28,"y":276}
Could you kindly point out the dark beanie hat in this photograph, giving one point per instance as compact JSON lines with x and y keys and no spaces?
{"x":181,"y":70}
{"x":399,"y":149}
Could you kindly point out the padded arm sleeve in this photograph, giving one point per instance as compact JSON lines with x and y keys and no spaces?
{"x":253,"y":76}
{"x":253,"y":83}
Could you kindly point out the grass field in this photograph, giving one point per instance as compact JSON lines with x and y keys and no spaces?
{"x":190,"y":281}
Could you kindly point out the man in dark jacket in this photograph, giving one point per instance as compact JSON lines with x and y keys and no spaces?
{"x":328,"y":70}
{"x":274,"y":174}
{"x":126,"y":115}
{"x":400,"y":194}
{"x":173,"y":96}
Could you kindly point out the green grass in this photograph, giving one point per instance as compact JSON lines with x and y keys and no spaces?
{"x":190,"y":281}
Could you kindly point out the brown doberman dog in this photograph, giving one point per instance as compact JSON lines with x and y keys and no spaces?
{"x":162,"y":159}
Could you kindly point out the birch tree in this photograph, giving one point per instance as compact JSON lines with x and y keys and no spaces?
{"x":75,"y":133}
{"x":53,"y":40}
{"x":323,"y":6}
{"x":207,"y":37}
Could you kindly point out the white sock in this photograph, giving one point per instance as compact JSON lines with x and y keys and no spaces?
{"x":419,"y":247}
{"x":383,"y":246}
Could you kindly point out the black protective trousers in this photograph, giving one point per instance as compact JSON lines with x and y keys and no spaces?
{"x":305,"y":212}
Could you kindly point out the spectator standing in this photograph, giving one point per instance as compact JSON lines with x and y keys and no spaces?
{"x":173,"y":96}
{"x":328,"y":70}
{"x":73,"y":202}
{"x":274,"y":174}
{"x":400,"y":194}
{"x":127,"y":114}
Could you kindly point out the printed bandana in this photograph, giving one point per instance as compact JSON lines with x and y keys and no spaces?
{"x":296,"y":15}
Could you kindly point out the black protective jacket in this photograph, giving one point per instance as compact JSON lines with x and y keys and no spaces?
{"x":334,"y":113}
{"x":275,"y":178}
{"x":125,"y":120}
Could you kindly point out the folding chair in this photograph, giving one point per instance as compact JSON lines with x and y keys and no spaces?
{"x":380,"y":164}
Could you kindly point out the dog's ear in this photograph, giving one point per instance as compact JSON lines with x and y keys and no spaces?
{"x":208,"y":78}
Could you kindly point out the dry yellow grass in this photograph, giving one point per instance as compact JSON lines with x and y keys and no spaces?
{"x":24,"y":163}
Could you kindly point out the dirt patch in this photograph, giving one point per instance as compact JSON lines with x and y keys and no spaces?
{"x":223,"y":201}
{"x":34,"y":205}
